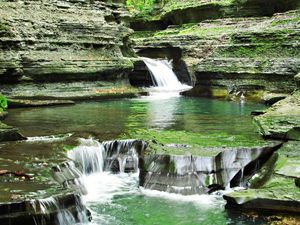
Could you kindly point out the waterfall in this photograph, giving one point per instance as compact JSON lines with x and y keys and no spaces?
{"x":90,"y":155}
{"x":61,"y":210}
{"x":163,"y":76}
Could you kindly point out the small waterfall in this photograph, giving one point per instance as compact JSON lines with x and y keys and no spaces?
{"x":122,"y":155}
{"x":163,"y":76}
{"x":64,"y":210}
{"x":90,"y":155}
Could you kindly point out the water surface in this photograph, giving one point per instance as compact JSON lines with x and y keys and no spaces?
{"x":116,"y":198}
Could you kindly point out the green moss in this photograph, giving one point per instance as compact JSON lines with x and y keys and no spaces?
{"x":3,"y":103}
{"x":182,"y":142}
{"x":263,"y":50}
{"x":142,"y":8}
{"x":4,"y":27}
{"x":172,"y":5}
{"x":286,"y":21}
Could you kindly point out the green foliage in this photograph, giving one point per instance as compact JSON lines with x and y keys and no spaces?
{"x":67,"y":148}
{"x":3,"y":103}
{"x":140,"y":5}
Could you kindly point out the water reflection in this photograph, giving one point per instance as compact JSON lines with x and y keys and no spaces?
{"x":109,"y":119}
{"x":161,"y":112}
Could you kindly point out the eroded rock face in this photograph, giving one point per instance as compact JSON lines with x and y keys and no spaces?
{"x":201,"y":174}
{"x":177,"y":12}
{"x":274,"y":187}
{"x":58,"y":40}
{"x":232,"y":56}
{"x":49,"y":211}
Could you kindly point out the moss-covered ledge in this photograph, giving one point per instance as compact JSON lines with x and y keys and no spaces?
{"x":274,"y":187}
{"x":282,"y":120}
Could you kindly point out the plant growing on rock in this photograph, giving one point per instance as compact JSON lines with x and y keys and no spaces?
{"x":3,"y":103}
{"x":140,"y":5}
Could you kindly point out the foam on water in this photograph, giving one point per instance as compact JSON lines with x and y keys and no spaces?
{"x":50,"y":138}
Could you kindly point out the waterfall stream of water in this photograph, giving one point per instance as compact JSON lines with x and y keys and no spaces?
{"x":163,"y":77}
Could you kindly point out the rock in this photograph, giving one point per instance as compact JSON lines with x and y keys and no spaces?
{"x":53,"y":40}
{"x":282,"y":120}
{"x":180,"y":12}
{"x":43,"y":94}
{"x":252,"y":200}
{"x":8,"y":133}
{"x":44,"y":210}
{"x":196,"y":174}
{"x":273,"y":187}
{"x":271,"y":98}
{"x":297,"y":79}
{"x":3,"y":114}
{"x":297,"y":182}
{"x":19,"y":103}
{"x":253,"y":55}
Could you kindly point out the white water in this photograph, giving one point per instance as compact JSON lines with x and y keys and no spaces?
{"x":51,"y":138}
{"x":90,"y":154}
{"x":163,"y":77}
{"x":103,"y":186}
{"x":64,"y":215}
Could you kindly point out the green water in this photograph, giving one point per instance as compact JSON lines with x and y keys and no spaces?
{"x":193,"y":121}
{"x":112,"y":119}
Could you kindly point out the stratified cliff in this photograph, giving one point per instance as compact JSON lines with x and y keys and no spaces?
{"x":61,"y":41}
{"x":229,"y":48}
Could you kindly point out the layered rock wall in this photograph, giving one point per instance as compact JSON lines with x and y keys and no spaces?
{"x":60,"y":40}
{"x":238,"y":54}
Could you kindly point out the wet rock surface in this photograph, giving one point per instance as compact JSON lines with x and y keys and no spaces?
{"x":196,"y":174}
{"x":8,"y":133}
{"x":48,"y":211}
{"x":273,"y":188}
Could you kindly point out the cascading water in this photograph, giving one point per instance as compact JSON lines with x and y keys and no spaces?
{"x":111,"y":183}
{"x":90,"y":155}
{"x":100,"y":163}
{"x":163,"y":76}
{"x":66,"y":210}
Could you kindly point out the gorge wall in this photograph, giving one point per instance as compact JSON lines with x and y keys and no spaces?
{"x":227,"y":47}
{"x":63,"y":42}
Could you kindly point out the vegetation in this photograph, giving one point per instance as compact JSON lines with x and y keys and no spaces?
{"x":3,"y":103}
{"x":143,"y":6}
{"x":180,"y":142}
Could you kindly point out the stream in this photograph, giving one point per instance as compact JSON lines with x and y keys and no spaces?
{"x":116,"y":198}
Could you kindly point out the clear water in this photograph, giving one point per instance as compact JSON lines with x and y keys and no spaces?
{"x":116,"y":198}
{"x":109,"y":119}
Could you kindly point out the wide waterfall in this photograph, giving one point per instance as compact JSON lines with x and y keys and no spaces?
{"x":162,"y":75}
{"x":122,"y":170}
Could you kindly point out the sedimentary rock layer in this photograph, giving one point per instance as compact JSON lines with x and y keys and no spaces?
{"x":58,"y":40}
